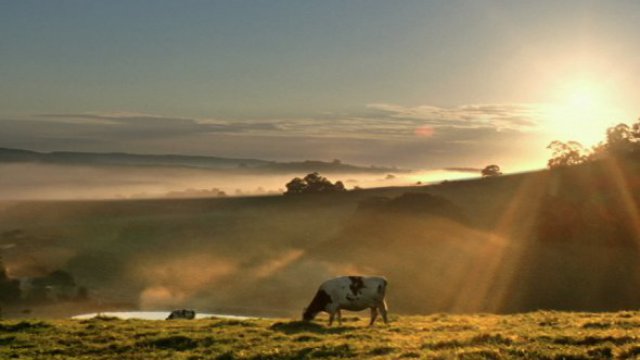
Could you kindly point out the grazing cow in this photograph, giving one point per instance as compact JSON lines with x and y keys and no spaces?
{"x":182,"y":314}
{"x":353,"y":293}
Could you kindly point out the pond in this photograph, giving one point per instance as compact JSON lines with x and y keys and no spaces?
{"x":154,"y":315}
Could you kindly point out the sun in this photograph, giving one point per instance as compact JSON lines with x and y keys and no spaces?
{"x":583,"y":111}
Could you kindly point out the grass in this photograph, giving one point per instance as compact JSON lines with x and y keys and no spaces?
{"x":537,"y":335}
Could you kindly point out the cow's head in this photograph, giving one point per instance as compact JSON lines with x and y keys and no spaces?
{"x":308,"y":315}
{"x":318,"y":304}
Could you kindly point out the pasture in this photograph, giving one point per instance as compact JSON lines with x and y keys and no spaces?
{"x":536,"y":335}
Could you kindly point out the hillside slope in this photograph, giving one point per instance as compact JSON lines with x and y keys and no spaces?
{"x":171,"y":160}
{"x":565,"y":239}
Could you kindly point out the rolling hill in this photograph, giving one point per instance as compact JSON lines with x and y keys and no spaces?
{"x":565,"y":239}
{"x":200,"y":162}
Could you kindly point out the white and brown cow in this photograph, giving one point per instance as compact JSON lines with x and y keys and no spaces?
{"x":353,"y":293}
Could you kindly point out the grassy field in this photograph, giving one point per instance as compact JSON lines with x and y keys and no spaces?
{"x":536,"y":335}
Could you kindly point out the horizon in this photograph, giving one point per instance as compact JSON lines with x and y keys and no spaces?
{"x":414,"y":84}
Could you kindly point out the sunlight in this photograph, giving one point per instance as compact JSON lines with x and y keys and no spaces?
{"x":583,"y":111}
{"x":439,"y":175}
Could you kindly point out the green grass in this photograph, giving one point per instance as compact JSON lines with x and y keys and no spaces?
{"x":538,"y":335}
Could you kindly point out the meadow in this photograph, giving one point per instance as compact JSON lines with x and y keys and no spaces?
{"x":536,"y":335}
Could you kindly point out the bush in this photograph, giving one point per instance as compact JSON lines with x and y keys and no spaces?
{"x":313,"y":183}
{"x":491,"y":170}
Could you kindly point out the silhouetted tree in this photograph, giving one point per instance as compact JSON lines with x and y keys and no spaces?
{"x":566,"y":154}
{"x":619,"y":139}
{"x":635,"y":131}
{"x":313,"y":183}
{"x":491,"y":170}
{"x":57,"y":285}
{"x":9,"y":288}
{"x":83,"y":294}
{"x":296,"y":186}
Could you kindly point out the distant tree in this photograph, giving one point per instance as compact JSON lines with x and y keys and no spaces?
{"x":620,"y":139}
{"x":83,"y":294}
{"x":566,"y":154}
{"x":9,"y":288}
{"x":313,"y":183}
{"x":296,"y":186}
{"x":635,"y":131}
{"x":3,"y":271}
{"x":491,"y":170}
{"x":597,"y":152}
{"x":57,"y":285}
{"x":317,"y":183}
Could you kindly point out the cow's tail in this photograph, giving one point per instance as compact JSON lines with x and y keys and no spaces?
{"x":382,"y":287}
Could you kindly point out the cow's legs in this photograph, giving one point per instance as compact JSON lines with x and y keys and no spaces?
{"x":374,"y":315}
{"x":339,"y":317}
{"x":383,"y":311}
{"x":332,"y":309}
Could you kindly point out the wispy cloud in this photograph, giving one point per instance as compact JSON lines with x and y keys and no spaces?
{"x":380,"y":133}
{"x":375,"y":121}
{"x":150,"y":124}
{"x":521,"y":117}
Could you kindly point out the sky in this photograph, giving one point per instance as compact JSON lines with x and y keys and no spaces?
{"x":416,"y":84}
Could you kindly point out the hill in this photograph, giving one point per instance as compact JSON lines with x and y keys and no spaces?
{"x":565,"y":239}
{"x":540,"y":335}
{"x":199,"y":162}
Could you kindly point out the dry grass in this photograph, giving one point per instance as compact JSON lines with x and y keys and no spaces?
{"x":538,"y":335}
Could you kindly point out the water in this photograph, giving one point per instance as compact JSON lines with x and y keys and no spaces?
{"x":154,"y":315}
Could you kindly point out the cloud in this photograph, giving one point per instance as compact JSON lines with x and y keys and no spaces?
{"x":379,"y":120}
{"x":521,"y":117}
{"x":379,"y":133}
{"x":127,"y":123}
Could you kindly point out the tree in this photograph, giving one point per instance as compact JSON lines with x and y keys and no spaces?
{"x":313,"y":183}
{"x":635,"y":131}
{"x":296,"y":186}
{"x":620,"y":139}
{"x":9,"y":288}
{"x":491,"y":170}
{"x":566,"y":154}
{"x":339,"y":186}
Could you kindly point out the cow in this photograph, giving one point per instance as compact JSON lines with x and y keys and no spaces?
{"x":353,"y":293}
{"x":182,"y":314}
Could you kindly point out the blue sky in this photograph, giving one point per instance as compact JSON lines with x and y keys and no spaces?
{"x":355,"y":80}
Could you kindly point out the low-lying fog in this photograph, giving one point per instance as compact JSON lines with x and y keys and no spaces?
{"x":47,"y":182}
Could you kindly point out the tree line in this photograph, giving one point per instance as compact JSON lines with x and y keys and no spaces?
{"x":620,"y":140}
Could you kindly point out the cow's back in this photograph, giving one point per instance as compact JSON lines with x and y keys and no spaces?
{"x":356,"y":292}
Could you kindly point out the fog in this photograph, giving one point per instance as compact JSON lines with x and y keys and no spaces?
{"x":502,"y":244}
{"x":27,"y":181}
